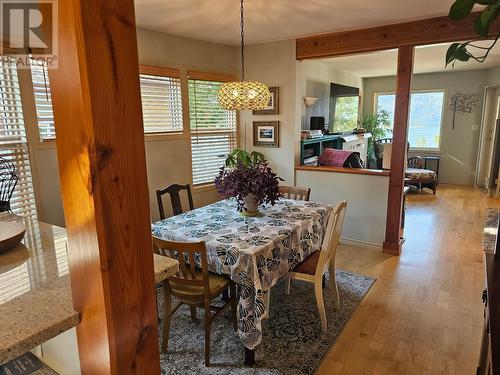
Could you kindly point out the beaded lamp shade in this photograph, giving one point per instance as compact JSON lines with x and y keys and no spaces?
{"x":244,"y":95}
{"x":9,"y":176}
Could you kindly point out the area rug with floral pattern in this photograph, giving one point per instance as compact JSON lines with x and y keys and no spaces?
{"x":292,"y":343}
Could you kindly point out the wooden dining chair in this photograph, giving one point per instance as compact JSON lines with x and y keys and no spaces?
{"x":296,"y":193}
{"x":315,"y":265}
{"x":193,"y":285}
{"x":415,"y":162}
{"x":174,"y":192}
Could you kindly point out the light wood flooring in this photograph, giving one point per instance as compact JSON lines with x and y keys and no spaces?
{"x":424,"y":313}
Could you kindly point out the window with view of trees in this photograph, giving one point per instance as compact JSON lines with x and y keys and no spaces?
{"x":213,"y":130}
{"x":426,"y":112}
{"x":345,"y":116}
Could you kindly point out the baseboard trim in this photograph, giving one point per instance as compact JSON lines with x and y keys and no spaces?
{"x":357,"y":243}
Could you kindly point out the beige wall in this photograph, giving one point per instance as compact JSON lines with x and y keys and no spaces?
{"x":274,"y":64}
{"x":315,"y":79}
{"x":493,"y":76}
{"x":366,"y":198}
{"x":168,"y":158}
{"x":459,"y":147}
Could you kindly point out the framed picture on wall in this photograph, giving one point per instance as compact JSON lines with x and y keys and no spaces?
{"x":273,"y":107}
{"x":266,"y":133}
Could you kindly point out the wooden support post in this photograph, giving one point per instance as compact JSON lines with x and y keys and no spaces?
{"x":392,"y":243}
{"x":100,"y":146}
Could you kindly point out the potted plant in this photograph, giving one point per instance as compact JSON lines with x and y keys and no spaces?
{"x":379,"y":126}
{"x":486,"y":13}
{"x":249,"y":179}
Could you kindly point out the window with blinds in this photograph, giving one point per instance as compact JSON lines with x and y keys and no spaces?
{"x":13,"y":143}
{"x":161,"y":103}
{"x":213,"y":130}
{"x":43,"y":99}
{"x":160,"y":94}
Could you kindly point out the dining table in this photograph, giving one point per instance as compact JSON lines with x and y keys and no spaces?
{"x":255,"y":252}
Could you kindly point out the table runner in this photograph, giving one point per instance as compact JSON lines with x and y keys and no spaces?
{"x":254,"y":251}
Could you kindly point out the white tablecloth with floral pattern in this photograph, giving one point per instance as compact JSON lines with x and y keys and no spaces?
{"x":254,"y":251}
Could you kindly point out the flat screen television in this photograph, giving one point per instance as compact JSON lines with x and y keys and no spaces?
{"x":317,"y":123}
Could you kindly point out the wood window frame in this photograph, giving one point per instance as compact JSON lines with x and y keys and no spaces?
{"x":210,"y":76}
{"x":443,"y":110}
{"x":163,"y":71}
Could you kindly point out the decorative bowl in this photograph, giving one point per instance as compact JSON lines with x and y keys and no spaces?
{"x":11,"y":234}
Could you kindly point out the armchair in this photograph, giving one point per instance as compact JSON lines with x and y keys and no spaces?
{"x":418,"y":176}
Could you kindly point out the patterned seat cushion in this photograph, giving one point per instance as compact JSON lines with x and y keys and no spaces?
{"x":416,"y":174}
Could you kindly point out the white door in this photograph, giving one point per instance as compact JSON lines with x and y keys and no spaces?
{"x":484,"y":175}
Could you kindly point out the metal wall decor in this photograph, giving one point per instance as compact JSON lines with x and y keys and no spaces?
{"x":463,"y":102}
{"x":9,"y":175}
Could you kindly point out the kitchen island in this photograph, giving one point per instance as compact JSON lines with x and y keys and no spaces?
{"x":35,"y":291}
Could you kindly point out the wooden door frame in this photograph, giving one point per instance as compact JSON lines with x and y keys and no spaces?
{"x":404,"y":37}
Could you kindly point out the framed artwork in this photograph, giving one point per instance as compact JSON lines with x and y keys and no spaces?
{"x":266,"y":133}
{"x":273,"y":107}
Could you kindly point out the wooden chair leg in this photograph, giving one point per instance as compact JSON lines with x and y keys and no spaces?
{"x":208,"y":326}
{"x":287,"y":286}
{"x":166,"y":320}
{"x":318,"y":290}
{"x":234,"y":306}
{"x":267,"y":302}
{"x":193,"y":312}
{"x":334,"y":287}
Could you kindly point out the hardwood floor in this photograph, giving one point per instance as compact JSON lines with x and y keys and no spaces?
{"x":424,"y":314}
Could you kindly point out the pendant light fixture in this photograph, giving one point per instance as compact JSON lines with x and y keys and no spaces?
{"x":243,"y":95}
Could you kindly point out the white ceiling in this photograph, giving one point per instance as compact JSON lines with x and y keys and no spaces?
{"x":428,"y":59}
{"x":270,"y":20}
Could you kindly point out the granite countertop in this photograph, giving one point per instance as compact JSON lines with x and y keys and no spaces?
{"x":491,"y":230}
{"x":35,"y":291}
{"x":492,"y":272}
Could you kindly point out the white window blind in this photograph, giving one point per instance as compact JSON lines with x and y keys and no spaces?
{"x":161,"y":104}
{"x":213,"y":130}
{"x":13,"y":144}
{"x":43,"y":99}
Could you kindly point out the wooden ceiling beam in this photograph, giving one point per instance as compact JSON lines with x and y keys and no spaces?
{"x":428,"y":31}
{"x":102,"y":164}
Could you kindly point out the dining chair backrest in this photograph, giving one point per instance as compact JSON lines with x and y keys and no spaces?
{"x":331,"y":239}
{"x":192,"y":257}
{"x":174,"y":192}
{"x":415,"y":162}
{"x":296,"y":193}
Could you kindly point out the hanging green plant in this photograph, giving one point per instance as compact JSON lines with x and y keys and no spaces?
{"x":471,"y":50}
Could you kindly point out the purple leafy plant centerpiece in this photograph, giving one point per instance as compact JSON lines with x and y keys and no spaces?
{"x":249,"y":179}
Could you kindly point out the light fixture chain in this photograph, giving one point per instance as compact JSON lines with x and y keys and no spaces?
{"x":242,"y":24}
